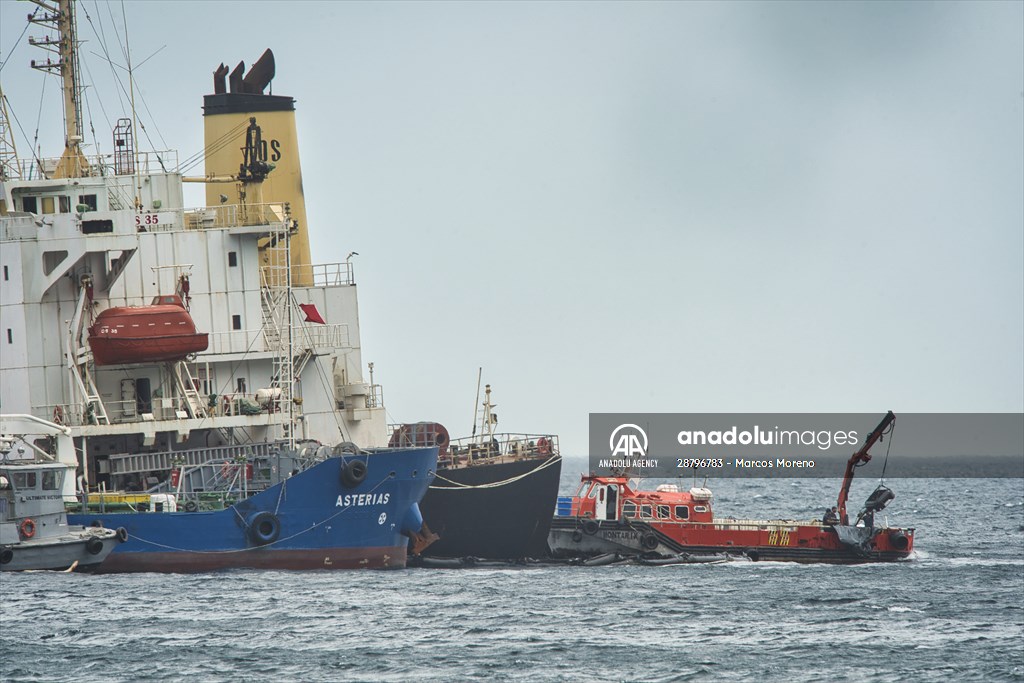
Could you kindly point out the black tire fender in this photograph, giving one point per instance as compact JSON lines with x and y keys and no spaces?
{"x":122,"y":534}
{"x":590,"y":527}
{"x":650,"y":541}
{"x":264,"y":528}
{"x":94,"y":546}
{"x":353,"y":473}
{"x":577,"y":535}
{"x":6,"y":555}
{"x":898,"y":540}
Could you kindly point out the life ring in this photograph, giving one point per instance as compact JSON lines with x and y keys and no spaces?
{"x":353,"y":473}
{"x":122,"y":534}
{"x":94,"y":546}
{"x":6,"y":555}
{"x":58,"y":415}
{"x":590,"y":527}
{"x":27,"y":528}
{"x":543,"y":445}
{"x":649,"y":541}
{"x":264,"y":528}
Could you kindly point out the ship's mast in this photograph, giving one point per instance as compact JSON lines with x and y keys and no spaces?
{"x":10,"y":168}
{"x":61,"y":17}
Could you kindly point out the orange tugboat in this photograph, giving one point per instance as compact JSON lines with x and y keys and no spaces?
{"x":609,"y":515}
{"x":162,"y":331}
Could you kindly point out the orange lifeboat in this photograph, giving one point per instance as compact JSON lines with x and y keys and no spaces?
{"x":162,"y":331}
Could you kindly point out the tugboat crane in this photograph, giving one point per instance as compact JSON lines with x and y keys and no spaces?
{"x":859,"y":458}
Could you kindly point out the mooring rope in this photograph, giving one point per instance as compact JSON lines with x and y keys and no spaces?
{"x":459,"y":486}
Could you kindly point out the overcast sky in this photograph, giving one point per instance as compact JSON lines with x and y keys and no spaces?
{"x":673,"y":207}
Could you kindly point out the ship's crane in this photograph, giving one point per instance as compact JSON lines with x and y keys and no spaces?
{"x":859,"y":458}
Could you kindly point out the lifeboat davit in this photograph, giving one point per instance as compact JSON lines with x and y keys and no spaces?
{"x":162,"y":331}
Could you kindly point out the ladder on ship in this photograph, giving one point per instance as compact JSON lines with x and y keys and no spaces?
{"x":79,"y":358}
{"x":278,"y":325}
{"x":186,"y":385}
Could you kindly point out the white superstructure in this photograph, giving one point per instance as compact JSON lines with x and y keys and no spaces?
{"x":114,"y":232}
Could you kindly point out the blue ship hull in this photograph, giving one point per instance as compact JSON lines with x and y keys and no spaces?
{"x":312,"y":520}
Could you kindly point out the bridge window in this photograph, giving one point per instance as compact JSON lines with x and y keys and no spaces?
{"x":30,"y":204}
{"x":682,"y":512}
{"x":48,"y":205}
{"x":88,"y":201}
{"x":646,"y":512}
{"x":629,"y":509}
{"x":51,"y":480}
{"x":97,"y":226}
{"x":65,"y":204}
{"x":24,"y":480}
{"x":664,"y":512}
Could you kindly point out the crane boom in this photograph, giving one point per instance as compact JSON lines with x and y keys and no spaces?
{"x":858,"y":458}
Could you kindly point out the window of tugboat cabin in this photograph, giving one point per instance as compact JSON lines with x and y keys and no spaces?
{"x":23,"y":480}
{"x":629,"y":510}
{"x":52,"y":479}
{"x":682,"y":512}
{"x":664,"y":511}
{"x":646,"y":512}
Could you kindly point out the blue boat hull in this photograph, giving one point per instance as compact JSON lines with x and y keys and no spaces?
{"x":312,"y":520}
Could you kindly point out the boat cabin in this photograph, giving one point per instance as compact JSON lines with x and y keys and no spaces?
{"x":614,"y":498}
{"x":32,"y":491}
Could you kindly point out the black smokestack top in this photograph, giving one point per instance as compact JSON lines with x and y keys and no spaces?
{"x":252,"y":83}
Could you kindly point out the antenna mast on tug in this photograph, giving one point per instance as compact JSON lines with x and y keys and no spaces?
{"x":61,"y":17}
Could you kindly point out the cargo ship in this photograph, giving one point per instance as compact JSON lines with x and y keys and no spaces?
{"x":610,"y":514}
{"x":493,"y":495}
{"x":208,"y":373}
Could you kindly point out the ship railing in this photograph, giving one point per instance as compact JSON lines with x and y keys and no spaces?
{"x":102,"y":165}
{"x":232,"y":215}
{"x":68,"y":414}
{"x":236,"y":341}
{"x":158,"y":408}
{"x":469,"y":451}
{"x":507,"y":444}
{"x":159,"y":464}
{"x":330,"y":274}
{"x":316,"y":336}
{"x":375,"y":396}
{"x":241,"y":403}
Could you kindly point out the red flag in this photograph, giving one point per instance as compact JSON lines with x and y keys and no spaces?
{"x":312,"y":315}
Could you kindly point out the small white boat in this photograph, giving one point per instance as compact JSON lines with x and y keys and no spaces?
{"x":34,"y":532}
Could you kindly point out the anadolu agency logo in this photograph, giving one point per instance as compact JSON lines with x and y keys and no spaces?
{"x":628,"y":441}
{"x":628,"y":445}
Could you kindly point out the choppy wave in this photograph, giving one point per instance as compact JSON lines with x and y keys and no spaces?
{"x":954,"y":612}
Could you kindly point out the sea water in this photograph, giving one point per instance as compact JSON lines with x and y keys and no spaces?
{"x":954,"y":612}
